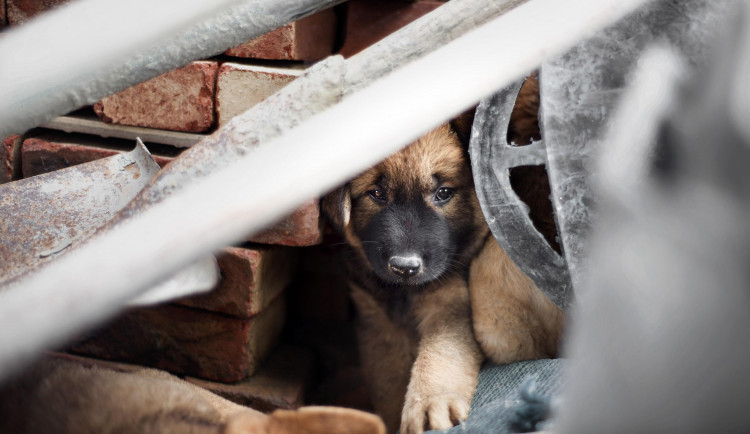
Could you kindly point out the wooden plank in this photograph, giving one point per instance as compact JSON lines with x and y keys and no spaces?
{"x":92,"y":125}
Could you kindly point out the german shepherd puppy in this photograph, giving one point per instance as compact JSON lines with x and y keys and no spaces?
{"x":434,"y":292}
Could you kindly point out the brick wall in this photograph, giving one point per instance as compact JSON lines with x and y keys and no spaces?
{"x":277,"y":332}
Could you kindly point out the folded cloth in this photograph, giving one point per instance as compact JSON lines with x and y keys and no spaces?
{"x":513,"y":398}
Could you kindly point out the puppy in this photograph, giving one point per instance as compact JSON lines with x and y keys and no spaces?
{"x":434,"y":292}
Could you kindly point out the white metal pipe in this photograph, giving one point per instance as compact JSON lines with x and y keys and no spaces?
{"x":320,"y":87}
{"x":88,"y":285}
{"x":89,"y":49}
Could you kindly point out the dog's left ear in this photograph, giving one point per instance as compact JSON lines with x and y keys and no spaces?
{"x":337,"y":207}
{"x":462,"y":123}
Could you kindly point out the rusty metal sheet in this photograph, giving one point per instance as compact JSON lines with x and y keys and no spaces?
{"x":45,"y":216}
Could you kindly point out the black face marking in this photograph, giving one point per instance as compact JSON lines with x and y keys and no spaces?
{"x":414,"y":215}
{"x":410,"y":243}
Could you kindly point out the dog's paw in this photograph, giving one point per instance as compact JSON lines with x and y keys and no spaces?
{"x":433,"y":412}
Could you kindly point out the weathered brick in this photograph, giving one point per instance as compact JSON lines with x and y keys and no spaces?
{"x":179,"y":100}
{"x":240,"y":87}
{"x":281,"y":382}
{"x":301,"y":228}
{"x":367,"y":22}
{"x":251,"y":279}
{"x":19,"y":11}
{"x":310,"y":38}
{"x":10,"y":158}
{"x":47,"y":153}
{"x":3,"y":19}
{"x":189,"y":341}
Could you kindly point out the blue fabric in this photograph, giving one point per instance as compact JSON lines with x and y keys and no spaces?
{"x":498,"y":400}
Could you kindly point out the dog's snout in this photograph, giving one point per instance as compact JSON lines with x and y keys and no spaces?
{"x":405,"y":266}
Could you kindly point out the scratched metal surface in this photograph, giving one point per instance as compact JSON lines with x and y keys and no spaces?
{"x":507,"y":215}
{"x":578,"y":91}
{"x":660,"y":341}
{"x":43,"y":216}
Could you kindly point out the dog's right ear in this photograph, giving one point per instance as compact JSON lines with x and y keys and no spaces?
{"x":337,"y":207}
{"x":462,"y":124}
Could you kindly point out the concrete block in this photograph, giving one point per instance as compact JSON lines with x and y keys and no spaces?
{"x":308,"y":39}
{"x":240,"y":87}
{"x":179,"y":100}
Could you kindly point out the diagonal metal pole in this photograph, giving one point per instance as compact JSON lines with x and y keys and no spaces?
{"x":81,"y":52}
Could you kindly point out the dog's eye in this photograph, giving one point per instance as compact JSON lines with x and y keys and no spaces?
{"x":443,"y":194}
{"x":378,"y":195}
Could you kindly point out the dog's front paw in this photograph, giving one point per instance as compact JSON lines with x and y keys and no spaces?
{"x":440,"y":411}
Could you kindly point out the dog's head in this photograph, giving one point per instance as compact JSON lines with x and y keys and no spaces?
{"x":414,"y":216}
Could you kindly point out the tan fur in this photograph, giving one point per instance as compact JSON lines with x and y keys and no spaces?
{"x":310,"y":420}
{"x":444,"y":375}
{"x":387,"y":351}
{"x":63,"y":396}
{"x":524,"y":119}
{"x":421,"y":358}
{"x":513,"y":320}
{"x":418,"y":167}
{"x":440,"y":365}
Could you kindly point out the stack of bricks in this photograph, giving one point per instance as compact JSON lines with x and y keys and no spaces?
{"x":227,"y":340}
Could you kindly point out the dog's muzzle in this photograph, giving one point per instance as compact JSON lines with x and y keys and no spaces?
{"x":405,"y":266}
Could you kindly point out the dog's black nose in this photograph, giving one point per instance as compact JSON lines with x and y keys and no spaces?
{"x":405,"y":266}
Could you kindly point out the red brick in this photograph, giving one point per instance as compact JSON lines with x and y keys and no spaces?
{"x":47,"y":153}
{"x":310,"y":38}
{"x":281,"y":382}
{"x":240,"y":87}
{"x":301,"y":228}
{"x":179,"y":100}
{"x":251,"y":279}
{"x":367,"y":21}
{"x":19,"y":11}
{"x":189,"y":341}
{"x":10,"y":158}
